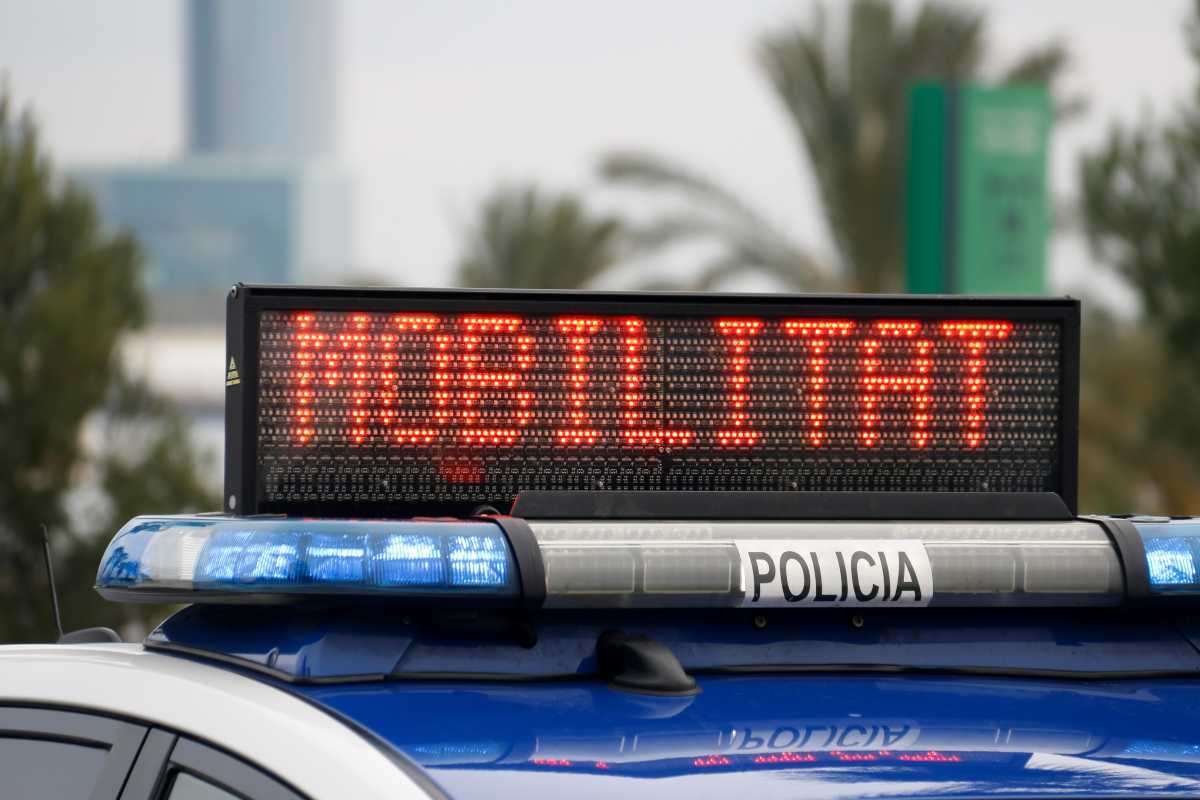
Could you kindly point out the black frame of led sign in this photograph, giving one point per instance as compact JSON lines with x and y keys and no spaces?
{"x":244,"y":304}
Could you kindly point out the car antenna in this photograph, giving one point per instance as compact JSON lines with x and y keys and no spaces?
{"x":84,"y":635}
{"x":50,"y":575}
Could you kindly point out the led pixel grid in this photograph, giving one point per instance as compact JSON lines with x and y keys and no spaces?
{"x":381,"y":408}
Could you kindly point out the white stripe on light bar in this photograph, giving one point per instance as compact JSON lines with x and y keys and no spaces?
{"x":653,"y":564}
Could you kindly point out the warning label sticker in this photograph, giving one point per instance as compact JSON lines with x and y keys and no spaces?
{"x":882,"y":572}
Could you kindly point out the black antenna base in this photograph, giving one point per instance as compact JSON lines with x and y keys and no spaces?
{"x":641,"y":664}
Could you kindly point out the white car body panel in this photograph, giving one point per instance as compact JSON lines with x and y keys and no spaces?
{"x":280,"y":733}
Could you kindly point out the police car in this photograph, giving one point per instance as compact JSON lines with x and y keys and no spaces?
{"x":516,"y":544}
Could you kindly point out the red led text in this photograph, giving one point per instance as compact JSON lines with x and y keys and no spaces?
{"x":420,"y":380}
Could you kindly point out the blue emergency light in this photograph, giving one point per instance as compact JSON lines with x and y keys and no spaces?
{"x":224,"y":558}
{"x":1172,"y":554}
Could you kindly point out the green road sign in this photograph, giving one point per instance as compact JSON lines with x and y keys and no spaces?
{"x":978,"y":213}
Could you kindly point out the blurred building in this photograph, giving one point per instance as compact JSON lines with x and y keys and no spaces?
{"x":261,"y":78}
{"x":257,"y":196}
{"x":206,"y":223}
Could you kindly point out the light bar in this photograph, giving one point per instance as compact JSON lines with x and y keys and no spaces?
{"x":221,"y":558}
{"x":618,"y":564}
{"x":369,"y":403}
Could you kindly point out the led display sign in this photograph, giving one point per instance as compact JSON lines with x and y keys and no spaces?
{"x":354,"y":401}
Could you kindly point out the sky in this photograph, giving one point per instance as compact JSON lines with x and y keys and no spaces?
{"x":441,"y":101}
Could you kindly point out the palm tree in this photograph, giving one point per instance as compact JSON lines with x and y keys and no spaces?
{"x":525,"y":239}
{"x":847,"y":104}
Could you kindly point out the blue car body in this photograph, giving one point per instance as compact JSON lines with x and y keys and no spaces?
{"x":951,"y":704}
{"x":792,"y":736}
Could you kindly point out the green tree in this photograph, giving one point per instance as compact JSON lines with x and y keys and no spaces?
{"x":1140,"y":196}
{"x":75,"y":432}
{"x":524,"y":239}
{"x":846,"y":103}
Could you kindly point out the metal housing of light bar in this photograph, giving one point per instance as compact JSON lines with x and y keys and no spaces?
{"x":654,"y":563}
